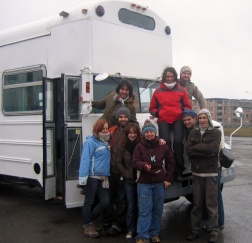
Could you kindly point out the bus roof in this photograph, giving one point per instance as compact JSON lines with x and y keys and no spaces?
{"x":87,"y":10}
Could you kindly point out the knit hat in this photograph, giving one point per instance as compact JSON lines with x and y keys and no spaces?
{"x":148,"y":125}
{"x":191,"y":113}
{"x":123,"y":110}
{"x":207,"y":112}
{"x":184,"y":69}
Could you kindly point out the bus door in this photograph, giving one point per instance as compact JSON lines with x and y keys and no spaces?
{"x":62,"y":141}
{"x":71,"y":139}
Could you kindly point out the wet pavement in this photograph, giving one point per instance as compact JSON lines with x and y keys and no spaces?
{"x":24,"y":218}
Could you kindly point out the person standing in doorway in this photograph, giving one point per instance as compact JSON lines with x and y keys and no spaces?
{"x":122,"y":96}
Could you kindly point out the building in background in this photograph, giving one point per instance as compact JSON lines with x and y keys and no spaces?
{"x":223,"y":111}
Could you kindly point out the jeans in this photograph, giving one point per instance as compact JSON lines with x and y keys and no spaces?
{"x":115,"y":214}
{"x":177,"y":128}
{"x":220,"y":201}
{"x":93,"y":188}
{"x":131,"y":215}
{"x":150,"y":206}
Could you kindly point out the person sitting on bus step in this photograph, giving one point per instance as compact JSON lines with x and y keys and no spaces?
{"x":155,"y":165}
{"x":123,"y":96}
{"x":191,"y":89}
{"x":203,"y":148}
{"x":168,"y":102}
{"x":93,"y":175}
{"x":114,"y":216}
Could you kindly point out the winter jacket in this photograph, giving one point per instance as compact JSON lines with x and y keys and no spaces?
{"x":168,"y":104}
{"x":203,"y":150}
{"x":193,"y":91}
{"x":158,"y":156}
{"x":124,"y":164}
{"x":116,"y":135}
{"x":112,"y":106}
{"x":95,"y":159}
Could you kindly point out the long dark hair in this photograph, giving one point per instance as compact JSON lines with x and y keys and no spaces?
{"x":170,"y":70}
{"x":128,"y":84}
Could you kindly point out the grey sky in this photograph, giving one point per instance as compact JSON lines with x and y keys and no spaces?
{"x":212,"y":37}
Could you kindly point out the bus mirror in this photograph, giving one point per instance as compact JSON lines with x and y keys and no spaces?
{"x":101,"y":76}
{"x":239,"y":112}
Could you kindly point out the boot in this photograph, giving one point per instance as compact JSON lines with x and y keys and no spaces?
{"x":89,"y":230}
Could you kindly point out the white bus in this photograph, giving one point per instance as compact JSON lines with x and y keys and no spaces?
{"x":47,"y":65}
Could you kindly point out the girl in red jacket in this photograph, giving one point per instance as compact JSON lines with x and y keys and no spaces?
{"x":167,"y":104}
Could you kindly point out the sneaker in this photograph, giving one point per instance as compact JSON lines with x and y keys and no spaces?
{"x":212,"y":238}
{"x":142,"y":240}
{"x":129,"y":235}
{"x":193,"y":236}
{"x":90,"y":231}
{"x":154,"y":239}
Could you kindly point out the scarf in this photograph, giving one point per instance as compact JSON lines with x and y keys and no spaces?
{"x":104,"y":137}
{"x":130,"y":146}
{"x":170,"y":86}
{"x":118,"y":98}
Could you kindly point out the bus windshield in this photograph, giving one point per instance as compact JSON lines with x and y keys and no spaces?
{"x":143,"y":89}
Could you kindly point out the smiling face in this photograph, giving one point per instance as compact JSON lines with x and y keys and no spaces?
{"x":169,"y":78}
{"x":149,"y":135}
{"x":189,"y":121}
{"x":122,"y":120}
{"x":203,"y":120}
{"x":185,"y":76}
{"x":132,"y":135}
{"x":105,"y":129}
{"x":124,"y":92}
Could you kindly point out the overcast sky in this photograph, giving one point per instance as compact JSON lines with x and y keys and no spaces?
{"x":213,"y":37}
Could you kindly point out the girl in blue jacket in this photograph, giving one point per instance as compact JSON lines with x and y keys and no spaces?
{"x":93,"y":175}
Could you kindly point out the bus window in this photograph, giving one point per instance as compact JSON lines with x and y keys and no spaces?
{"x":142,"y":21}
{"x":73,"y":85}
{"x":22,"y":92}
{"x":146,"y":90}
{"x":73,"y":152}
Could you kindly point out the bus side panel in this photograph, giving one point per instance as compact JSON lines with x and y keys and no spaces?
{"x":70,"y":48}
{"x":21,"y":149}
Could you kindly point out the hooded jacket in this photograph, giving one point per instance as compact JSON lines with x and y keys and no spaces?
{"x":203,"y":149}
{"x":95,"y":159}
{"x":112,"y":106}
{"x":168,"y":104}
{"x":158,"y":156}
{"x":193,"y":91}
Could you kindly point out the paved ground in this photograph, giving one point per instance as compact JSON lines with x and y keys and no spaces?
{"x":24,"y":218}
